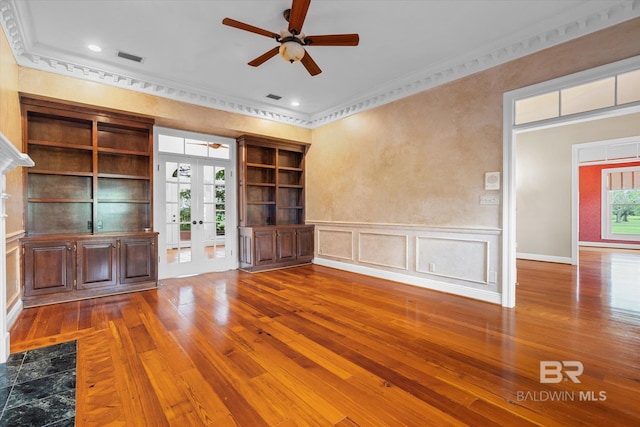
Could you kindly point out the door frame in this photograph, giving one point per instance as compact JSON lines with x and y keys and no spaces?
{"x":231,"y":211}
{"x":510,"y":130}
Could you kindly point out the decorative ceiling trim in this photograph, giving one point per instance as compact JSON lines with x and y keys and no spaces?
{"x":613,"y":14}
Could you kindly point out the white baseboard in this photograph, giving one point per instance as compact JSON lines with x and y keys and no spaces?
{"x":545,"y":258}
{"x":611,"y":245}
{"x":479,"y":294}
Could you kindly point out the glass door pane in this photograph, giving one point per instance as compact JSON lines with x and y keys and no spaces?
{"x":221,"y":211}
{"x":178,"y":212}
{"x":213,"y":186}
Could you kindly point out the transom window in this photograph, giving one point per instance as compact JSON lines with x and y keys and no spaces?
{"x":211,"y":147}
{"x":611,"y":91}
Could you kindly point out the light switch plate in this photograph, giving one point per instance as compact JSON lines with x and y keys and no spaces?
{"x":490,"y":200}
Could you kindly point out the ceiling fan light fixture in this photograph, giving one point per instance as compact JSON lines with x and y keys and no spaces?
{"x":291,"y":51}
{"x":292,"y":40}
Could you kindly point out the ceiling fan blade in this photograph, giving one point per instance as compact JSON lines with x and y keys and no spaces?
{"x":310,"y":64}
{"x":242,"y":26}
{"x":333,"y":40}
{"x":265,"y":57}
{"x":299,"y":10}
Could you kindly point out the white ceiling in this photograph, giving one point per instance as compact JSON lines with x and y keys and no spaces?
{"x":405,"y":46}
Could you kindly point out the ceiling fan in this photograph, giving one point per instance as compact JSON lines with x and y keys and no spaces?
{"x":292,"y":40}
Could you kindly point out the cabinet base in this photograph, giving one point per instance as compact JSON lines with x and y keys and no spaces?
{"x":78,"y":295}
{"x":261,"y":268}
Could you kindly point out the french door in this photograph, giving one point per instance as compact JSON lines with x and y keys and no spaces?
{"x":195,"y":218}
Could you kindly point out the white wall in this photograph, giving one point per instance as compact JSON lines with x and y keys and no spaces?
{"x":543,"y":183}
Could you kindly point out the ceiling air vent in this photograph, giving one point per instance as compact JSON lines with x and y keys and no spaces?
{"x":130,"y":56}
{"x":275,"y":97}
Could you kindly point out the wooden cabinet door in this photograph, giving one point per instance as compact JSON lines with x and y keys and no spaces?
{"x":48,"y":267}
{"x":97,"y":263}
{"x":304,"y":240}
{"x":138,"y":260}
{"x":286,"y":244}
{"x":264,"y":244}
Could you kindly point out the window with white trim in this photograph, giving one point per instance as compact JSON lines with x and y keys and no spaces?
{"x":621,"y":203}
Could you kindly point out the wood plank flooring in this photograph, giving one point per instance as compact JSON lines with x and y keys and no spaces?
{"x":313,"y":346}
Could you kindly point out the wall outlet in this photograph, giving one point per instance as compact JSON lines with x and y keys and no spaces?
{"x":432,"y":267}
{"x":490,"y":200}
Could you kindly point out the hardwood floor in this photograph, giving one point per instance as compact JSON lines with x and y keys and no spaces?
{"x":320,"y":347}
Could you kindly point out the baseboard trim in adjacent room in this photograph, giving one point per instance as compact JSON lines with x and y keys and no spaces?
{"x":545,"y":258}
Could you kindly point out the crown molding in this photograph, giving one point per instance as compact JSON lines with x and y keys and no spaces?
{"x":479,"y":60}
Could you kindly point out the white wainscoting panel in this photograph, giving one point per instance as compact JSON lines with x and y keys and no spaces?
{"x":334,"y":243}
{"x":460,"y":260}
{"x":13,"y":273}
{"x":441,"y":257}
{"x":394,"y":255}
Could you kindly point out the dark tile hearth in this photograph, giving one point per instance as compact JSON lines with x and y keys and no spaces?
{"x":38,"y":387}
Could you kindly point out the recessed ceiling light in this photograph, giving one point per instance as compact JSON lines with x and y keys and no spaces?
{"x":295,"y":103}
{"x":94,"y":48}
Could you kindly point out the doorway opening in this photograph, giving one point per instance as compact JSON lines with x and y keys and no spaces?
{"x":196,"y":210}
{"x":552,"y":94}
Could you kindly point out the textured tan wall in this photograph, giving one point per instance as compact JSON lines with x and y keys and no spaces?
{"x":543,"y":181}
{"x":421,"y":160}
{"x":167,"y":112}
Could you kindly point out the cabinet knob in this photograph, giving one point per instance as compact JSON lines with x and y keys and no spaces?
{"x":194,"y":222}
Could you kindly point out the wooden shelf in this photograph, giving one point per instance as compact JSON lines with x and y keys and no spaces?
{"x":60,"y":144}
{"x":262,"y":184}
{"x":54,"y":200}
{"x":87,"y":202}
{"x":145,"y":201}
{"x":121,"y":151}
{"x":62,"y":173}
{"x":260,"y":165}
{"x":271,"y":195}
{"x":120,"y":176}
